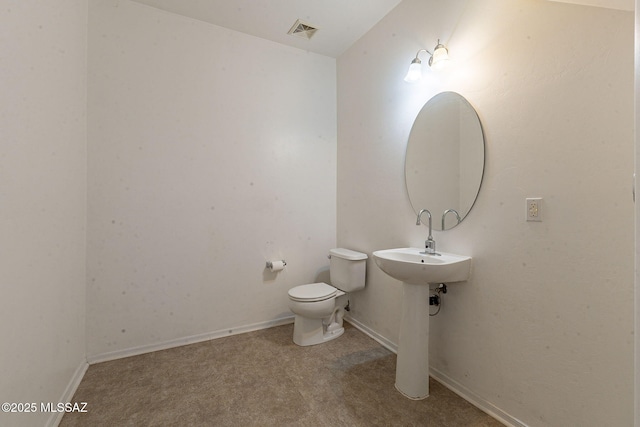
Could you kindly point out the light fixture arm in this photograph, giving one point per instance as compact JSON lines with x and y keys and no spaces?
{"x":417,"y":58}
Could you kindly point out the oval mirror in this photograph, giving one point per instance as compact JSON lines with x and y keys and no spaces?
{"x":445,"y":159}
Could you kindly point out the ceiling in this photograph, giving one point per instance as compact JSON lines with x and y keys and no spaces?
{"x":610,"y":4}
{"x":340,"y":23}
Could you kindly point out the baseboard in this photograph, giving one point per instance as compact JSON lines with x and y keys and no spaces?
{"x":67,"y":396}
{"x":389,"y":345}
{"x":475,"y":400}
{"x":135,"y":351}
{"x":451,"y":384}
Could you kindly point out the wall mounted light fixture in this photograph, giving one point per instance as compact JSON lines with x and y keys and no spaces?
{"x":438,"y":58}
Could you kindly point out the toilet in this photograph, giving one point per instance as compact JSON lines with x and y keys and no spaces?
{"x":318,"y":318}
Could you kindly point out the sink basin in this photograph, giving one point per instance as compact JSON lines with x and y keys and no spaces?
{"x":411,"y":265}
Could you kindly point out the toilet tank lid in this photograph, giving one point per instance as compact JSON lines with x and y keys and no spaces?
{"x":347,"y":254}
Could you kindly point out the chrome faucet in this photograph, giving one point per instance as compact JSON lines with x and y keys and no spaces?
{"x":445,"y":214}
{"x":429,"y":244}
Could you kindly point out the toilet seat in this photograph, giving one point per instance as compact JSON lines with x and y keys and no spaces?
{"x":312,"y":292}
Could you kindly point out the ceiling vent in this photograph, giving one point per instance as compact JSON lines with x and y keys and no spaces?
{"x":303,"y":30}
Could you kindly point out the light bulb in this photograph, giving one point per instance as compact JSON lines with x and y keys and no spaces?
{"x":440,"y":57}
{"x":415,"y":71}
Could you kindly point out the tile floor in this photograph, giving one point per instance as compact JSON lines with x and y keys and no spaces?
{"x":262,"y":379}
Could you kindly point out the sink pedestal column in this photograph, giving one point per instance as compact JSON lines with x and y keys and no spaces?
{"x":412,"y":366}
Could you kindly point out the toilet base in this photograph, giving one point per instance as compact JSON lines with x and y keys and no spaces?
{"x":308,"y":331}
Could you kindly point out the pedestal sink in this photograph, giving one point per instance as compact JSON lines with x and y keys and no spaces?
{"x":417,"y":270}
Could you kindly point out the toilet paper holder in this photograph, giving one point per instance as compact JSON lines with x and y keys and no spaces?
{"x":270,"y":264}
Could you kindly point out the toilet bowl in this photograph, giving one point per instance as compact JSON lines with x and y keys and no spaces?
{"x":317,"y":317}
{"x":318,"y":314}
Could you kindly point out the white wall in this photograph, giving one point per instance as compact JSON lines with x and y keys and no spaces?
{"x":210,"y":152}
{"x":42,"y":201}
{"x":544,"y":328}
{"x":637,"y":215}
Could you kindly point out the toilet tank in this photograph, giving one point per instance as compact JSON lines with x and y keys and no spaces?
{"x":347,"y":269}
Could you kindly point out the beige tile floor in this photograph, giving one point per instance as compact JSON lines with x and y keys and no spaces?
{"x":263,"y":379}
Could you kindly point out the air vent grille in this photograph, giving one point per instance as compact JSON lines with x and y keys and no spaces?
{"x":302,"y":29}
